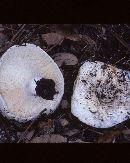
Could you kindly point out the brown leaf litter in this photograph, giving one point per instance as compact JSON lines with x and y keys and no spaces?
{"x":53,"y":138}
{"x":65,"y":58}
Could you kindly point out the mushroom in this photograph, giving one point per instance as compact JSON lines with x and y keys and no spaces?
{"x":30,"y":82}
{"x":101,"y":95}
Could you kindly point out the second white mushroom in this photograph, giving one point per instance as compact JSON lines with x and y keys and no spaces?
{"x":101,"y":96}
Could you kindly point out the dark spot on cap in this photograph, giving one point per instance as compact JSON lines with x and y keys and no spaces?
{"x":93,"y":74}
{"x":104,"y":66}
{"x":92,"y":111}
{"x":51,"y":111}
{"x":42,"y":112}
{"x":84,"y":81}
{"x":127,"y":116}
{"x":46,"y":89}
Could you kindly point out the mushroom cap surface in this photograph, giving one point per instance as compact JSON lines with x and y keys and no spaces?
{"x":19,"y":66}
{"x":101,"y":95}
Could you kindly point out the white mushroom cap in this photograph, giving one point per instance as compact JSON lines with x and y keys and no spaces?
{"x":20,"y":69}
{"x":101,"y":95}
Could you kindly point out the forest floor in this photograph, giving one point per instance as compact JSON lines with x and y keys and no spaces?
{"x":76,"y":43}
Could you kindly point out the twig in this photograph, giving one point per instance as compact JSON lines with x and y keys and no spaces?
{"x":127,"y":61}
{"x":30,"y":125}
{"x":121,"y":40}
{"x":120,"y":60}
{"x":127,"y":26}
{"x":48,"y":50}
{"x":17,"y":33}
{"x":29,"y":35}
{"x":94,"y":131}
{"x":25,"y":38}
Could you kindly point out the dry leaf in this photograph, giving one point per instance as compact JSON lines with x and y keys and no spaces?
{"x":57,"y":39}
{"x":72,"y":37}
{"x":54,"y":138}
{"x":41,"y":139}
{"x":53,"y":38}
{"x":83,"y":39}
{"x":78,"y":141}
{"x":66,"y":58}
{"x":108,"y":137}
{"x":72,"y":132}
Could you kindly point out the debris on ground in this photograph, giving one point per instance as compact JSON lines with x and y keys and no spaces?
{"x":72,"y":132}
{"x":108,"y":137}
{"x":65,"y":58}
{"x":52,"y":39}
{"x":54,"y":138}
{"x":64,"y":122}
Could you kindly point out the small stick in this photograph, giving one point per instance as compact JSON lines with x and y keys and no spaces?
{"x":94,"y":131}
{"x":48,"y":50}
{"x":31,"y":33}
{"x":120,"y":60}
{"x":17,"y":33}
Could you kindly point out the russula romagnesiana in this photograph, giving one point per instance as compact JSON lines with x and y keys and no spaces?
{"x":101,"y":96}
{"x":30,"y":82}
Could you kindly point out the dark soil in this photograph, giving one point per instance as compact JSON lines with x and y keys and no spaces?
{"x":112,"y":46}
{"x":46,"y":88}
